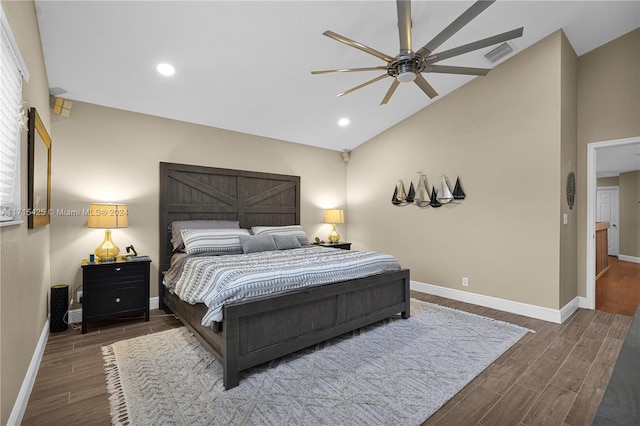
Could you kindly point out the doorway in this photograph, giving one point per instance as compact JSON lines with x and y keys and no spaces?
{"x":608,"y":210}
{"x":592,"y":205}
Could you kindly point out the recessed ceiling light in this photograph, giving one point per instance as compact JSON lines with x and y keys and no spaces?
{"x":343,"y":122}
{"x":166,"y":69}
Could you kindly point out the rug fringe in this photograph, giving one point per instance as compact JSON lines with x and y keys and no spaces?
{"x":119,"y":412}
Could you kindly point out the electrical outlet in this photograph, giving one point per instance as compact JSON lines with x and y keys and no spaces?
{"x":465,"y":282}
{"x":79,"y":296}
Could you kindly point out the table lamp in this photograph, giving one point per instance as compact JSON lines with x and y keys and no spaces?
{"x":334,"y":216}
{"x":107,"y":216}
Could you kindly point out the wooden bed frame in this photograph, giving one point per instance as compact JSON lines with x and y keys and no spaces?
{"x":264,"y":329}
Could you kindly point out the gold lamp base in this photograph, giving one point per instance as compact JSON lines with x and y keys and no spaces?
{"x":334,"y":237}
{"x":108,"y":250}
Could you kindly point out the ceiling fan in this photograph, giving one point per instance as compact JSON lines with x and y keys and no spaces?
{"x":408,"y":65}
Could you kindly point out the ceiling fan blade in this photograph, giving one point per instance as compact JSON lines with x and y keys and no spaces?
{"x":363,"y":85}
{"x":390,"y":92}
{"x":462,"y":20}
{"x":446,"y":69}
{"x":489,"y":41}
{"x":404,"y":25}
{"x":349,"y":70}
{"x":352,"y":43}
{"x":425,"y":86}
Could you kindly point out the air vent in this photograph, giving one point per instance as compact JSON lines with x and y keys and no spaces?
{"x":499,"y":52}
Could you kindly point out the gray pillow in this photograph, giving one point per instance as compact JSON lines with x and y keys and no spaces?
{"x":286,"y":242}
{"x":179,"y":225}
{"x":296,"y":230}
{"x":256,"y":243}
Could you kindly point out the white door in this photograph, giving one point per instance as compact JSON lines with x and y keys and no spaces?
{"x":607,"y":211}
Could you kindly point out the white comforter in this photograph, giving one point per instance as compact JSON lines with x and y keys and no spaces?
{"x":217,"y":280}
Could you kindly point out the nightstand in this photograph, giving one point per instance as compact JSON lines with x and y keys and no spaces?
{"x":338,"y":245}
{"x":114,"y":289}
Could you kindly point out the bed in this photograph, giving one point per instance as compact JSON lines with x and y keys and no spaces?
{"x":265,"y":328}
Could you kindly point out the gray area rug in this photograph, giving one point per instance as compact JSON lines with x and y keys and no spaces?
{"x":394,"y":372}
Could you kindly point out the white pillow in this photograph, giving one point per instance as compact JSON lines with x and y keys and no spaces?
{"x":295,"y":230}
{"x":213,"y":241}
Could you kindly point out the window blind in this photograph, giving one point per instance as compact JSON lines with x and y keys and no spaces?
{"x":11,"y":74}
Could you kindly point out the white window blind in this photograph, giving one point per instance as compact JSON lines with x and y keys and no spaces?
{"x":12,"y":70}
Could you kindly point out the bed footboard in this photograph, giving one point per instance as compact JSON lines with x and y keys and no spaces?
{"x":264,"y":329}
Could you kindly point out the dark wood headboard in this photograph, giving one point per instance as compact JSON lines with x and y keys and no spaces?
{"x":190,"y":192}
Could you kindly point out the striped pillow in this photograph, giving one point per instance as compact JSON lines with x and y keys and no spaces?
{"x":213,"y":241}
{"x":295,"y":230}
{"x":179,"y":225}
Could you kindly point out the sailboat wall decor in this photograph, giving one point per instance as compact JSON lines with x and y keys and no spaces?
{"x":411,"y":194}
{"x":434,"y":198}
{"x":419,"y":195}
{"x":394,"y":199}
{"x":399,"y":195}
{"x":458,"y":193}
{"x":422,"y":198}
{"x":444,"y":193}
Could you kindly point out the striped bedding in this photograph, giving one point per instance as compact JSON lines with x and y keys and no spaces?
{"x":216,"y":280}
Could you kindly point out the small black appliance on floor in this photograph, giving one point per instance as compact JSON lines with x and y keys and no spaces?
{"x":59,"y":307}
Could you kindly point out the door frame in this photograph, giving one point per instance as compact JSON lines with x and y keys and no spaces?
{"x":592,"y":186}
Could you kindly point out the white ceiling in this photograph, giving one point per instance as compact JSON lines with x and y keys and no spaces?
{"x":611,"y":161}
{"x":245,"y":66}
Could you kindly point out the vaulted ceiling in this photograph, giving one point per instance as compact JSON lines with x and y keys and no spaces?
{"x":245,"y":65}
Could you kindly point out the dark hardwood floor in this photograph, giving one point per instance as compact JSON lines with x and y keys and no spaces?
{"x":618,"y":289}
{"x":555,"y":376}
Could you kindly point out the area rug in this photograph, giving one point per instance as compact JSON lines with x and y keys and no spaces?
{"x":393,"y":372}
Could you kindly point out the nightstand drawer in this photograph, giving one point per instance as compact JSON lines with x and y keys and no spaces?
{"x":116,"y":273}
{"x":121,"y":299}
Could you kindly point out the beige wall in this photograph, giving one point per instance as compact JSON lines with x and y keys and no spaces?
{"x":104,"y":154}
{"x":568,"y":161}
{"x":608,"y":181}
{"x":24,"y":253}
{"x":608,"y":109}
{"x":629,"y":194}
{"x":502,"y":135}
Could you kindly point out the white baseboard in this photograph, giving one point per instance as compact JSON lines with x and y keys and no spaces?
{"x":583,"y":303}
{"x":626,"y":258}
{"x":532,"y":311}
{"x":75,"y":315}
{"x":20,"y":406}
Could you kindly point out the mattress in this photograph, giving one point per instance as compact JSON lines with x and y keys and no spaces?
{"x":219,"y":280}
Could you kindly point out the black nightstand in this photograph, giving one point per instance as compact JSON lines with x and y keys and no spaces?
{"x":114,"y":289}
{"x":338,"y":245}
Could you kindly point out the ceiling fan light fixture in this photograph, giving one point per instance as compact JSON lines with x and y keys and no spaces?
{"x":406,"y":76}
